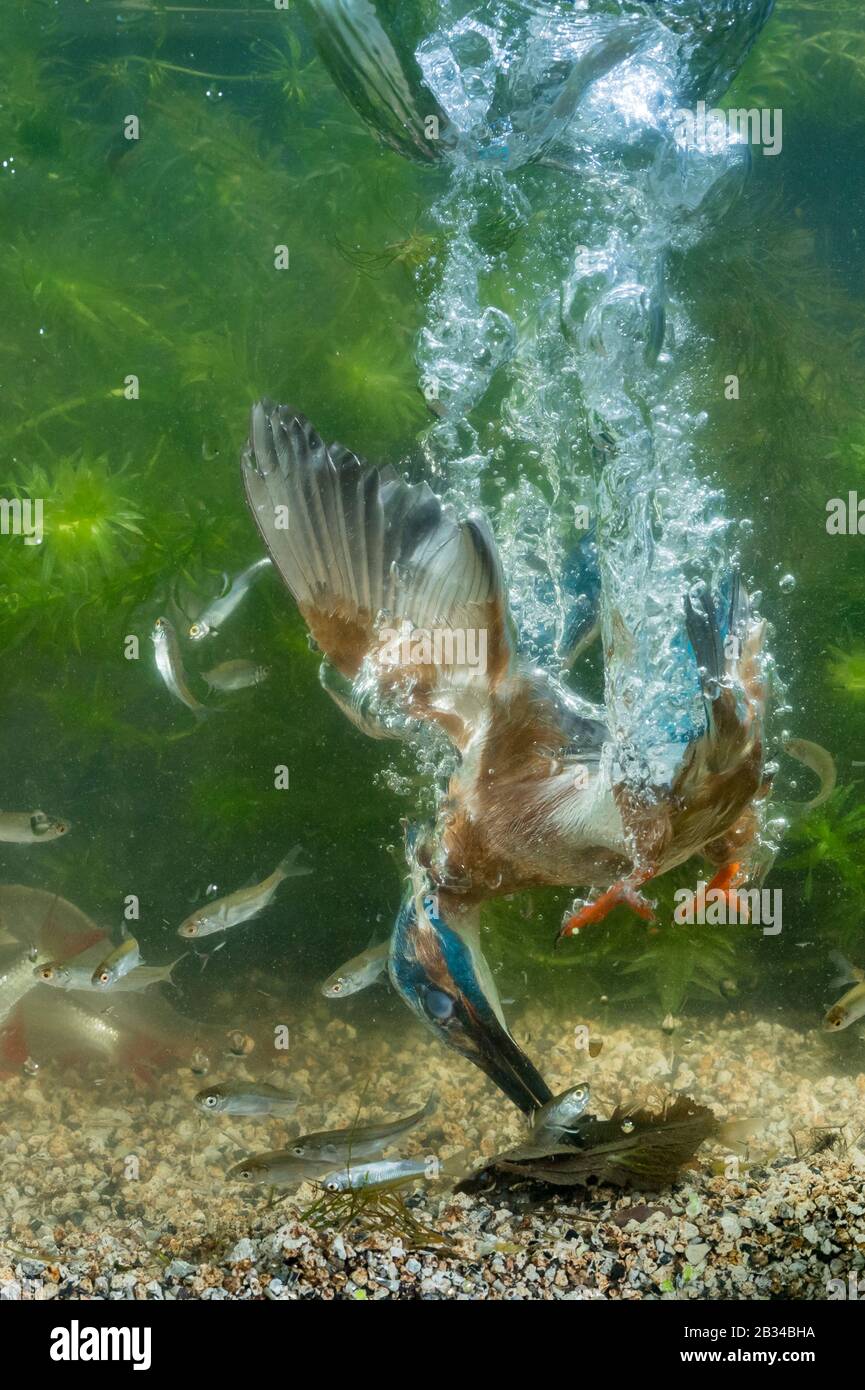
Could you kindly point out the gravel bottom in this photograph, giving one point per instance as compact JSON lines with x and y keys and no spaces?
{"x":114,"y":1189}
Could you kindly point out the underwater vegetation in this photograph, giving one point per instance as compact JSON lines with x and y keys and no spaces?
{"x":622,"y":962}
{"x":815,"y":51}
{"x":829,"y":849}
{"x":89,"y":516}
{"x":375,"y":1211}
{"x":847,"y":671}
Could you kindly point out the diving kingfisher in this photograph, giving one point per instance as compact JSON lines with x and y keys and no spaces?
{"x":393,"y":584}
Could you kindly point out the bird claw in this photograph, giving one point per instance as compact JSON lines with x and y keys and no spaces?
{"x":620,"y":895}
{"x":727,"y":882}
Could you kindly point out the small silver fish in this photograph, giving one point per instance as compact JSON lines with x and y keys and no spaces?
{"x":358,"y":1141}
{"x":16,"y":980}
{"x":559,"y":1115}
{"x":245,"y":1098}
{"x":208,"y":623}
{"x":235,"y":675}
{"x":119,"y":961}
{"x":169,"y":663}
{"x":358,"y":973}
{"x":848,"y":1010}
{"x":392,"y":1172}
{"x":277,"y":1169}
{"x":77,"y":973}
{"x":30,"y":827}
{"x":238,"y":907}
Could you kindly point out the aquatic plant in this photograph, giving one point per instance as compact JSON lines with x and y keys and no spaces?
{"x":89,"y":519}
{"x":823,"y":64}
{"x":682,"y":962}
{"x":413,"y":252}
{"x":73,"y":288}
{"x":663,"y":967}
{"x":847,"y":671}
{"x":832,"y":841}
{"x":374,"y":377}
{"x":282,"y":64}
{"x":377,"y":1211}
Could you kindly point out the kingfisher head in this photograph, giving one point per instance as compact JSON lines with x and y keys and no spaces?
{"x":441,"y":974}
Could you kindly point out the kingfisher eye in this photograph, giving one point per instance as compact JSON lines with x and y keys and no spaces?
{"x":439,"y":1006}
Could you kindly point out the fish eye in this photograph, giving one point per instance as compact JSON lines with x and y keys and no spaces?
{"x":104,"y":977}
{"x":439,"y":1006}
{"x":211,"y":1100}
{"x":298,"y":1150}
{"x":246,"y":1174}
{"x":336,"y":987}
{"x":332,"y":1186}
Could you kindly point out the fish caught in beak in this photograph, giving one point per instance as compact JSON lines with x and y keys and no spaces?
{"x":440,"y":972}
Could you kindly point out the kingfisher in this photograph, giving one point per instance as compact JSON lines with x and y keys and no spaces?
{"x":407,"y":601}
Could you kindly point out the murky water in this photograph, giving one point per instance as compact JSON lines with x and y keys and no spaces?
{"x":514,"y":270}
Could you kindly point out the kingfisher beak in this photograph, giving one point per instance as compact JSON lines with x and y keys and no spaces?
{"x":442,"y":975}
{"x":478,"y":1035}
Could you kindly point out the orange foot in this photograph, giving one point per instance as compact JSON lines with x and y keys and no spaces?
{"x":727,"y":881}
{"x":622,"y":893}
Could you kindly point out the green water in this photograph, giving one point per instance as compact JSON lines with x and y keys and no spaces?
{"x":154,"y":258}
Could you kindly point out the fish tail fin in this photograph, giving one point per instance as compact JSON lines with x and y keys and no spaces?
{"x":289,"y":867}
{"x":848,"y":974}
{"x":455,"y":1168}
{"x":169,"y":969}
{"x":203,"y":712}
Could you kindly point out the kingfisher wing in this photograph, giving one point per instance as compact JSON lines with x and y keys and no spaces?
{"x":397,"y":591}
